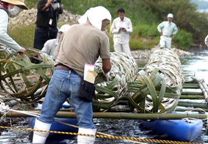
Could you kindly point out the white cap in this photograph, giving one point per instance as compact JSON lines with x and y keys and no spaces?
{"x":95,"y":15}
{"x":64,"y":28}
{"x":170,"y":15}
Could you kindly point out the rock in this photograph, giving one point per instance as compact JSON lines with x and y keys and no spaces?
{"x":144,"y":54}
{"x":28,"y":17}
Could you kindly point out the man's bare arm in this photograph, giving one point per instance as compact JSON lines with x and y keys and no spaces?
{"x":47,"y":5}
{"x":106,"y":65}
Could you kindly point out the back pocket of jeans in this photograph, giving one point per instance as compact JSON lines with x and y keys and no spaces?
{"x":55,"y":85}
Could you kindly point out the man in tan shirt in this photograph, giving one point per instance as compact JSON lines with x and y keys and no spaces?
{"x":84,"y":48}
{"x":82,"y":43}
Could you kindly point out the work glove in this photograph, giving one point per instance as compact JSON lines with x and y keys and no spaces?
{"x":107,"y":75}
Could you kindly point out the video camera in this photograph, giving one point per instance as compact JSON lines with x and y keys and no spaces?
{"x":56,"y":1}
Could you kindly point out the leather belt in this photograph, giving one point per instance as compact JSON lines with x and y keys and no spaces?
{"x":63,"y":67}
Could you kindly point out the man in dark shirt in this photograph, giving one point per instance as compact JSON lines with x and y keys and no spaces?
{"x":46,"y":24}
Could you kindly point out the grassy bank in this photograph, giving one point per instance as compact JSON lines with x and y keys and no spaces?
{"x":24,"y":35}
{"x":145,"y":16}
{"x":143,"y":37}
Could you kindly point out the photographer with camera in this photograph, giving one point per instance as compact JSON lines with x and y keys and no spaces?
{"x":46,"y":23}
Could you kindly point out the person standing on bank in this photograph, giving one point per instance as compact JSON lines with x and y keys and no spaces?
{"x":121,"y":29}
{"x":167,"y":29}
{"x":82,"y":43}
{"x":9,"y":7}
{"x":46,"y":23}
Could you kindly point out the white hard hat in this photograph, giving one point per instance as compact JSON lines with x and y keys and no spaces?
{"x":170,"y":15}
{"x":64,"y":28}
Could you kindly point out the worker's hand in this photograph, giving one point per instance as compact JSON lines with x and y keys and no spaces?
{"x":161,"y":33}
{"x":123,"y":29}
{"x":47,"y":5}
{"x":22,"y":50}
{"x":49,"y":2}
{"x":107,"y":75}
{"x":171,"y":35}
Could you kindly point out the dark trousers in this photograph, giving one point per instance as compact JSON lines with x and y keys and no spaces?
{"x":42,"y":35}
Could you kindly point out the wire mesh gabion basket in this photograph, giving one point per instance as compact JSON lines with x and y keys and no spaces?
{"x":23,"y":79}
{"x":159,"y":84}
{"x":110,"y":92}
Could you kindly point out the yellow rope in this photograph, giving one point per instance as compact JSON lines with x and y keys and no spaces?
{"x":101,"y":136}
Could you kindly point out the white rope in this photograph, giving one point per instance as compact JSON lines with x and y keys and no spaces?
{"x":4,"y":109}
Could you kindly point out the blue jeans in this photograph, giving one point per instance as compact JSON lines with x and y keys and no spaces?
{"x":66,"y":84}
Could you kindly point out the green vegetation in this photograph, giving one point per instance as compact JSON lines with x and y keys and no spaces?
{"x":183,"y":38}
{"x":145,"y":16}
{"x":24,"y":35}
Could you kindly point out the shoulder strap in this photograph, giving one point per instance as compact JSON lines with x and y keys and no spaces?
{"x":1,"y":7}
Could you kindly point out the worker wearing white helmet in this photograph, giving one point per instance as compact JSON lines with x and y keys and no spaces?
{"x":9,"y":7}
{"x":167,"y":29}
{"x":170,"y":15}
{"x":51,"y":45}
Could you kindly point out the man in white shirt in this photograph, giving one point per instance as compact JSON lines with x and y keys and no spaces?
{"x":50,"y":45}
{"x":9,"y":7}
{"x":121,"y":28}
{"x":167,"y":29}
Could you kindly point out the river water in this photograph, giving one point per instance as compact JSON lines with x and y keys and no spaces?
{"x":195,"y":64}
